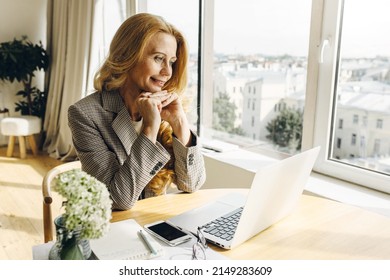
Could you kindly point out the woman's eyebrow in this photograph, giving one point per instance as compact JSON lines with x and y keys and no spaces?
{"x":162,"y":53}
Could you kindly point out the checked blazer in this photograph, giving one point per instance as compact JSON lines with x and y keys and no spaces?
{"x":110,"y":149}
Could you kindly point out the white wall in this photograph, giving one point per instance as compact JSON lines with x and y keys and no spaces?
{"x":17,"y":18}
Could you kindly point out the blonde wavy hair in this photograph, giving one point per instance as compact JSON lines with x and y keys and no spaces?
{"x":127,"y":49}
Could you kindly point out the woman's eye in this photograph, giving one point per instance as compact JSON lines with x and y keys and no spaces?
{"x":159,"y":58}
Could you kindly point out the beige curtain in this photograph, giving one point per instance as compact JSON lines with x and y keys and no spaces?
{"x":69,"y":44}
{"x":79,"y":34}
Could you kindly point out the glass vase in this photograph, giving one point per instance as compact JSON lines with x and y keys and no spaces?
{"x":68,"y":245}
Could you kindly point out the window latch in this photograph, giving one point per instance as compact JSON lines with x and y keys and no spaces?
{"x":325,"y":43}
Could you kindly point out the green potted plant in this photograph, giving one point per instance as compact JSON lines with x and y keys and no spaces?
{"x":19,"y":59}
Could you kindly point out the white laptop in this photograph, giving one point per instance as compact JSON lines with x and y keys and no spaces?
{"x":275,"y":191}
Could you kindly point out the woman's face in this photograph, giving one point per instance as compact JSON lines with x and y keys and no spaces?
{"x":155,"y":67}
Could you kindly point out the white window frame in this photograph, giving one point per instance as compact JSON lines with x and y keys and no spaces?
{"x":207,"y":49}
{"x":318,"y":119}
{"x":325,"y":25}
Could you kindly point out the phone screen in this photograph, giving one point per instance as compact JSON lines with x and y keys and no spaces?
{"x":167,"y":231}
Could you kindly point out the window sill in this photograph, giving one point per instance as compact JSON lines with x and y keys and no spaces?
{"x":238,"y":167}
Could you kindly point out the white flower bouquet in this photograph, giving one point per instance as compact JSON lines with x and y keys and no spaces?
{"x":87,"y":205}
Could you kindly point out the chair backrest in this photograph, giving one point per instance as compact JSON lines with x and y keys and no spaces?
{"x":47,"y":197}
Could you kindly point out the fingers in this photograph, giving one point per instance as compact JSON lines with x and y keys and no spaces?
{"x":171,"y":98}
{"x":164,"y":97}
{"x":148,"y":102}
{"x":161,"y":95}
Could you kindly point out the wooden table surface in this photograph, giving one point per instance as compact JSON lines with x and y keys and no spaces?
{"x":317,"y":229}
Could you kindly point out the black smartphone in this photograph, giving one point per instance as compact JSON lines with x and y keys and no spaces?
{"x":167,"y":232}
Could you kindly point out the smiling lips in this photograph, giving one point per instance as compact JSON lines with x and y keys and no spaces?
{"x":160,"y":83}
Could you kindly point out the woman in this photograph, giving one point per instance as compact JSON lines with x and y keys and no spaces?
{"x":132,"y":133}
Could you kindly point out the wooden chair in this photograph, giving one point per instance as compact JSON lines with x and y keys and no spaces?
{"x":47,"y":197}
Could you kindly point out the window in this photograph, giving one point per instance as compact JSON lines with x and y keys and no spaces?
{"x":379,"y":123}
{"x":354,"y":63}
{"x":362,"y":142}
{"x":327,"y":62}
{"x":338,"y":143}
{"x":187,"y":21}
{"x":355,"y":119}
{"x":261,"y":46}
{"x":340,"y":123}
{"x":109,"y":15}
{"x":353,"y":141}
{"x":377,"y":146}
{"x":364,"y":121}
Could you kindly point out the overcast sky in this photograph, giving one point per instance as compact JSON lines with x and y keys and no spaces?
{"x":277,"y":27}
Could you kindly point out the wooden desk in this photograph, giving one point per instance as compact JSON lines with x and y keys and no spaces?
{"x":318,"y":228}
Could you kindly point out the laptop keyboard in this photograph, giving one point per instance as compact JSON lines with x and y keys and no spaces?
{"x":225,"y":226}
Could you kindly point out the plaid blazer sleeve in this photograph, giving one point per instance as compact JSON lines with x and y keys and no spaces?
{"x":110,"y":150}
{"x":189,"y":165}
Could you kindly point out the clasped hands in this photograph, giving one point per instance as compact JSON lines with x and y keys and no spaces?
{"x":161,"y":105}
